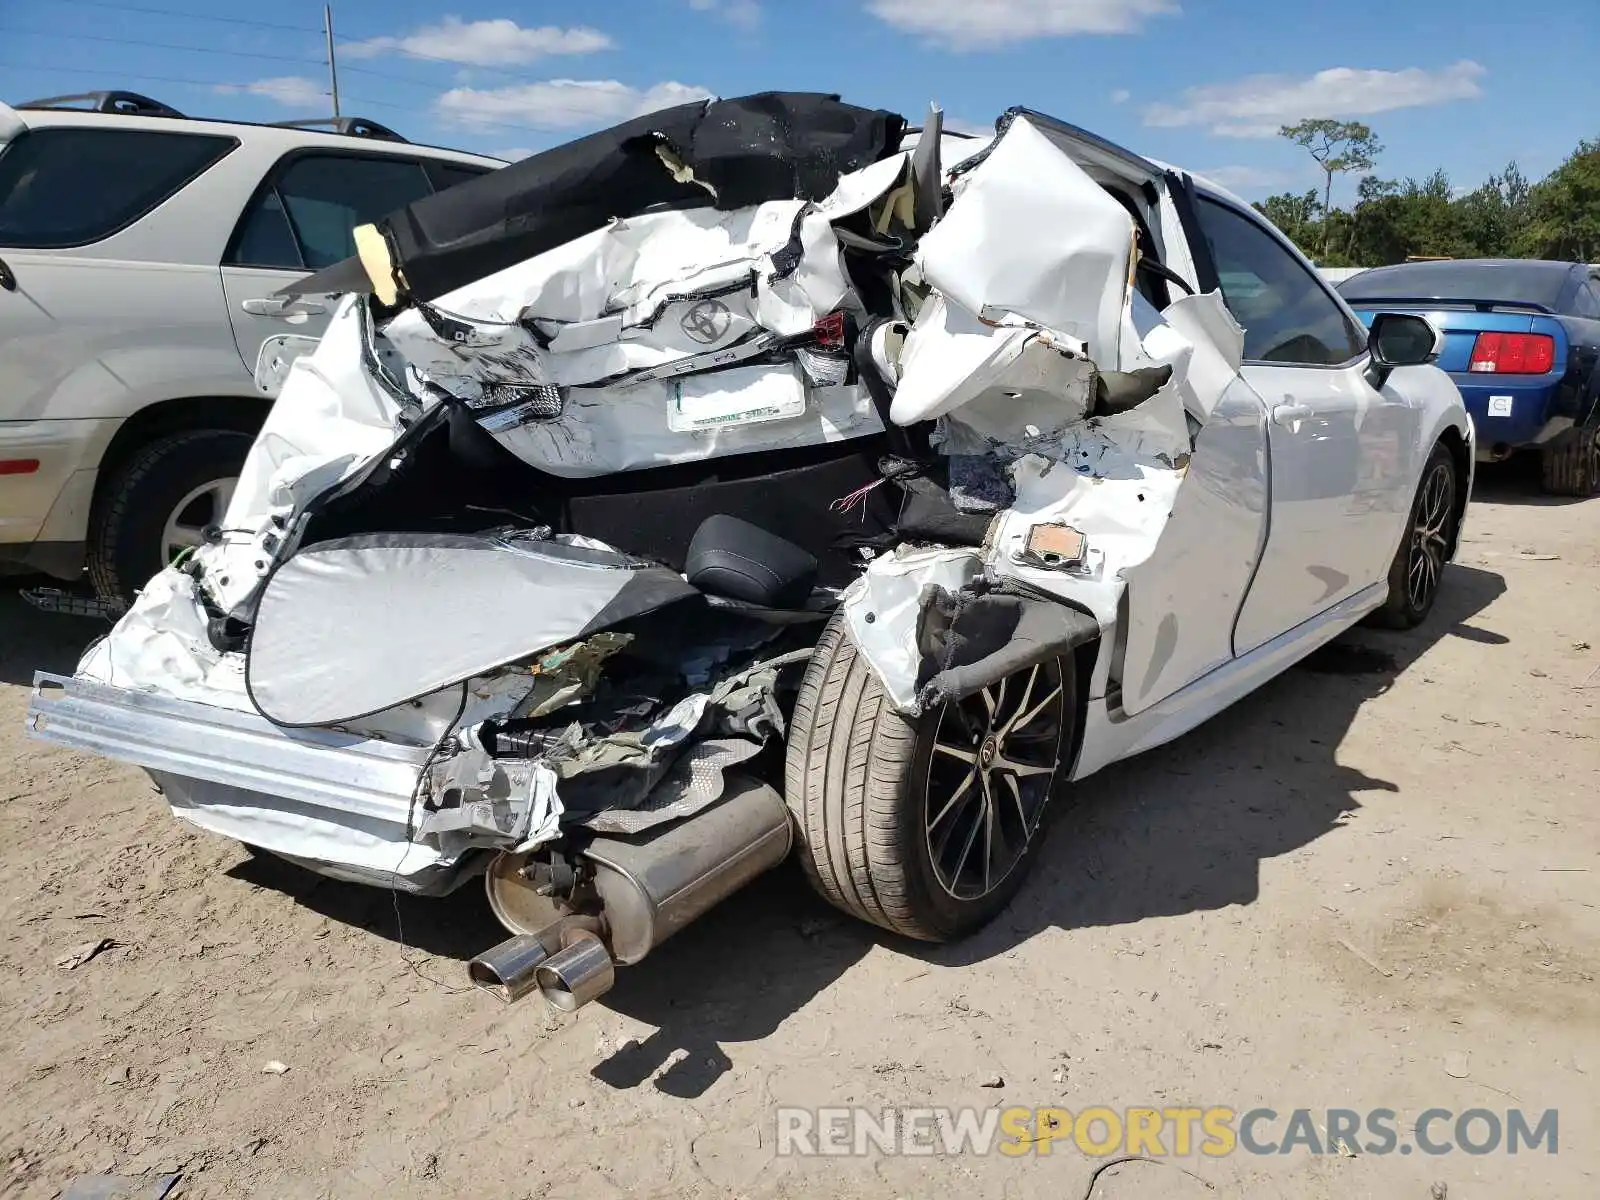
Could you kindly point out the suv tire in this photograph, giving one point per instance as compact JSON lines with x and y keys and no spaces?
{"x":127,"y":538}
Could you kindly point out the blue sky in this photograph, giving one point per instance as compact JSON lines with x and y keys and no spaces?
{"x":1462,"y":84}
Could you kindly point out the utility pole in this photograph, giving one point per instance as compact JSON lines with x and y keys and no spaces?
{"x":333,"y":71}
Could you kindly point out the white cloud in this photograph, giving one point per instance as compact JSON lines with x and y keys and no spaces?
{"x":562,"y":103}
{"x":497,"y":43}
{"x":1121,"y":96}
{"x":514,"y":153}
{"x":984,"y":24}
{"x":294,"y":91}
{"x":1257,"y":105}
{"x":1240,"y":178}
{"x":746,"y":14}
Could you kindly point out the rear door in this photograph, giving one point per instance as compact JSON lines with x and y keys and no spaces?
{"x":81,"y":291}
{"x":303,"y":218}
{"x":1340,"y":452}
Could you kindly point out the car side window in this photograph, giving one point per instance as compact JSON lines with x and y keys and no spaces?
{"x":1287,"y":313}
{"x":306,"y":219}
{"x":73,"y":185}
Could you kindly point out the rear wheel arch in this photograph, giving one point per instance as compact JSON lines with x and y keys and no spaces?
{"x":1455,"y":441}
{"x":239,"y":414}
{"x":164,"y":446}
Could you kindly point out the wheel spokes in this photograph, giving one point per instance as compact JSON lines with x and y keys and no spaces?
{"x":955,"y":798}
{"x":979,"y":786}
{"x":1023,"y":720}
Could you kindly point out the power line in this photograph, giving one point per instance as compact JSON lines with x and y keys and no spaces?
{"x":90,"y":37}
{"x":223,"y":83}
{"x":544,"y":133}
{"x":210,"y":83}
{"x":521,"y":75}
{"x":430,"y":84}
{"x":190,"y":16}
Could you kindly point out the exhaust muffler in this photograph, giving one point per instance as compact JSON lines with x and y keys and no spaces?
{"x":638,"y":891}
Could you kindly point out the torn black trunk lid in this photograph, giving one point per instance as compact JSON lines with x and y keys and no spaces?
{"x":744,"y":151}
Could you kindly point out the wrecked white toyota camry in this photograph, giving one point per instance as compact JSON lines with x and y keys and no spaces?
{"x":763,"y":477}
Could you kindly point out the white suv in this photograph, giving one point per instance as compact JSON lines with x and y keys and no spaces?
{"x":139,"y":256}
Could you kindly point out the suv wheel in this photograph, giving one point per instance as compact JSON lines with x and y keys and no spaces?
{"x":158,"y":504}
{"x":926,"y":826}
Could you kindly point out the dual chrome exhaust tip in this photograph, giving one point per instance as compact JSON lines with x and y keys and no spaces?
{"x":579,"y":972}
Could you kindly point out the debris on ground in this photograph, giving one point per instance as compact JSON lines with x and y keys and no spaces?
{"x":82,"y":954}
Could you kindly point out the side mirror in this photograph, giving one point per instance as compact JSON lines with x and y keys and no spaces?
{"x":1403,"y":340}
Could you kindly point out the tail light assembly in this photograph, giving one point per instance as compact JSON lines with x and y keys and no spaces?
{"x":1513,"y":354}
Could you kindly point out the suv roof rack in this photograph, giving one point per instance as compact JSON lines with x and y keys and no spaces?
{"x":349,"y":126}
{"x":127,"y":103}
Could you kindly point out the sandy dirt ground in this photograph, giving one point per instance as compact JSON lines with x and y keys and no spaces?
{"x":1372,"y":884}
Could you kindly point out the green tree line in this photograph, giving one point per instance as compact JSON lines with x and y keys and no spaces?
{"x":1507,"y":216}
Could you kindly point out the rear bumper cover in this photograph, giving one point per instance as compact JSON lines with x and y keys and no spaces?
{"x":335,"y":802}
{"x":50,"y":503}
{"x":1529,"y":412}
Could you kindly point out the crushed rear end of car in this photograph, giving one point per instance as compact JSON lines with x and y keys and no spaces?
{"x":521,"y":575}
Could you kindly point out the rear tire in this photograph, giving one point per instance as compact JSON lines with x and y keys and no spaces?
{"x":1425,"y":546}
{"x":1573,"y":468}
{"x":177,"y":483}
{"x":925,"y":826}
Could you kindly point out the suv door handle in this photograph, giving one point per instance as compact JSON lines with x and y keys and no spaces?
{"x":1288,"y":414}
{"x":281,"y":306}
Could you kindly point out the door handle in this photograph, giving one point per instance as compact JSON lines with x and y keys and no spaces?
{"x":1288,"y":414}
{"x":281,"y":306}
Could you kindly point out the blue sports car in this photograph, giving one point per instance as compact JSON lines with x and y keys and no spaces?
{"x":1522,"y":342}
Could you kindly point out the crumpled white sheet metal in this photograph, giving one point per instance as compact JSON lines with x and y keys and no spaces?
{"x":884,"y":605}
{"x":1032,"y":253}
{"x":1115,"y":479}
{"x":951,"y":358}
{"x":737,"y":411}
{"x":160,"y":645}
{"x":624,"y":298}
{"x":1031,"y":233}
{"x":370,"y":847}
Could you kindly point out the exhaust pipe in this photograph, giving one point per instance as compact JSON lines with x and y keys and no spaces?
{"x":510,"y":969}
{"x":580,"y":973}
{"x":647,"y":887}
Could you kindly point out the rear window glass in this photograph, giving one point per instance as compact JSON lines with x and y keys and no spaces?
{"x":73,"y":186}
{"x":1527,"y":282}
